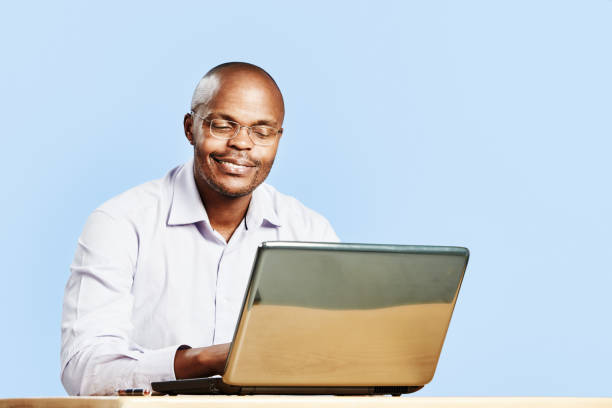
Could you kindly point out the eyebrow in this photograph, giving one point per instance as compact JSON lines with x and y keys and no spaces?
{"x":264,"y":122}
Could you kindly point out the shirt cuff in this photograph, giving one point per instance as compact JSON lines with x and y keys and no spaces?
{"x":158,"y":365}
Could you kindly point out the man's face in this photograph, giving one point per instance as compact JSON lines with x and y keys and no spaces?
{"x":235,"y":167}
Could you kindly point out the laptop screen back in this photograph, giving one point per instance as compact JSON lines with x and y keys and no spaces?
{"x":345,"y":314}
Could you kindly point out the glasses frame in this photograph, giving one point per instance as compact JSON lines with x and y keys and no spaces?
{"x":239,"y":128}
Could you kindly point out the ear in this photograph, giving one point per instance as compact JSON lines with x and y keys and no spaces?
{"x":188,"y":127}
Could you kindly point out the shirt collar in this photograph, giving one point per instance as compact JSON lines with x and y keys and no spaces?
{"x":187,"y":207}
{"x":261,"y":209}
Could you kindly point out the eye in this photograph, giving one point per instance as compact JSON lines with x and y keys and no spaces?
{"x":264,"y":132}
{"x":221,"y":125}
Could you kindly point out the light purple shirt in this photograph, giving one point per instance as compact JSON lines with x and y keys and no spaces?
{"x":150,"y":274}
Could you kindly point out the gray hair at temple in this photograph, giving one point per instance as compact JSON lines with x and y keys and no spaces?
{"x":209,"y":84}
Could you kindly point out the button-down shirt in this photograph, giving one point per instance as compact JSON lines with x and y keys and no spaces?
{"x":150,"y":274}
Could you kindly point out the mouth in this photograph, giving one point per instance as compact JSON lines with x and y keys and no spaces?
{"x":232,"y":165}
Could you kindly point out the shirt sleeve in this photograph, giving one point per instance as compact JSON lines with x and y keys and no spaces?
{"x":328,"y":233}
{"x":97,"y":355}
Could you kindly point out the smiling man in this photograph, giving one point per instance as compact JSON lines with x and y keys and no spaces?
{"x":160,"y":271}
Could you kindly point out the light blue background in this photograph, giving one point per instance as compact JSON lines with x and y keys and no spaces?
{"x":474,"y":123}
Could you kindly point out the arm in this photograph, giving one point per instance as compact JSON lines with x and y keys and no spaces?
{"x":328,"y":234}
{"x":98,"y":355}
{"x":201,"y":362}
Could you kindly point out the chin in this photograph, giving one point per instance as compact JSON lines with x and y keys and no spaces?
{"x":230,"y":189}
{"x":232,"y":192}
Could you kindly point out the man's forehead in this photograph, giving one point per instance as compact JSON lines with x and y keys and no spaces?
{"x":246,"y":107}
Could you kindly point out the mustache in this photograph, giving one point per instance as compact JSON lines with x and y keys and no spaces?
{"x":241,"y":158}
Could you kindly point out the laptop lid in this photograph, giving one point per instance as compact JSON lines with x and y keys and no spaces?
{"x":337,"y":314}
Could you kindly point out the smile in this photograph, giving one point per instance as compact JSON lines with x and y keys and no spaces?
{"x":233,"y":167}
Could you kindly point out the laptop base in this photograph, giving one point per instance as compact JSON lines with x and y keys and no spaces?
{"x":216,"y":386}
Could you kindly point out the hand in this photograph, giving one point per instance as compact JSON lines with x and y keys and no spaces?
{"x":200,"y":362}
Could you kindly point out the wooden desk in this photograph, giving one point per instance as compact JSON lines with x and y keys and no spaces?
{"x":300,"y":402}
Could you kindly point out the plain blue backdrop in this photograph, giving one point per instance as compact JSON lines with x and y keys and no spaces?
{"x":473,"y":123}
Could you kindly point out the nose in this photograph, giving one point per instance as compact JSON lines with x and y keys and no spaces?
{"x":242,"y":141}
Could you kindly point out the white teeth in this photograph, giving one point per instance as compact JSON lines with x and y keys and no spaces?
{"x":232,"y":165}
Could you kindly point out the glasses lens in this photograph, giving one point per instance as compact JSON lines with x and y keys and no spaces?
{"x":263,"y":135}
{"x":224,"y":129}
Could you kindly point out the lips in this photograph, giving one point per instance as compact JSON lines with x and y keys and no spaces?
{"x":233,"y":165}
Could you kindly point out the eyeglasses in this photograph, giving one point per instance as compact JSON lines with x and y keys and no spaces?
{"x":227,"y":129}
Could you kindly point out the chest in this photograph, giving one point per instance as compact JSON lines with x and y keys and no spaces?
{"x":188,"y":265}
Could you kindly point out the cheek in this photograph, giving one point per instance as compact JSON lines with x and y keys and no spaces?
{"x":205,"y":146}
{"x":267,"y":155}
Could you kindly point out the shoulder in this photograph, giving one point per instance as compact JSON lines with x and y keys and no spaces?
{"x":301,"y":222}
{"x":116,"y":226}
{"x":145,"y":200}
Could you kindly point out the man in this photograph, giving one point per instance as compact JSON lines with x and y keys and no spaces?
{"x":164,"y":266}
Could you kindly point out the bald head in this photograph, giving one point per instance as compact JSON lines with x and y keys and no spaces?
{"x":234,"y":73}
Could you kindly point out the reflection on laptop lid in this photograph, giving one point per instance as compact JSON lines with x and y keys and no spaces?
{"x":335,"y":318}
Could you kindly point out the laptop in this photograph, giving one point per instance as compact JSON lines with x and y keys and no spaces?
{"x":340,"y":319}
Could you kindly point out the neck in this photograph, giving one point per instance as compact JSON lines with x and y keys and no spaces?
{"x":224,"y":213}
